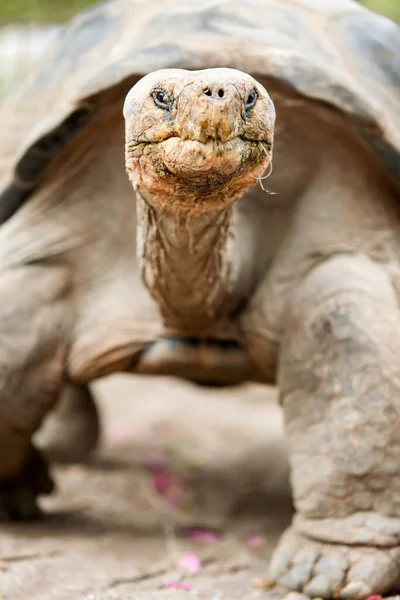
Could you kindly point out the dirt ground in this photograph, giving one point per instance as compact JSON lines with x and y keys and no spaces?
{"x":174,"y":457}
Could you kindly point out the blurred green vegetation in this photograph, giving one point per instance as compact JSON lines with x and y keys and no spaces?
{"x":39,"y":11}
{"x":390,"y":8}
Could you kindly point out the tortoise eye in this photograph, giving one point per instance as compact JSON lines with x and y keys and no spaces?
{"x":161,"y":99}
{"x":251,"y":100}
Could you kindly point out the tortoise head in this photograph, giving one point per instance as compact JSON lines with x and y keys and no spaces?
{"x":197,"y":140}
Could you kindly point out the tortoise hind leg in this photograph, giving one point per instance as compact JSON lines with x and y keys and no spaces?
{"x":71,"y":431}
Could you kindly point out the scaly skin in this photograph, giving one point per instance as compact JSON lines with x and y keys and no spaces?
{"x":339,"y":363}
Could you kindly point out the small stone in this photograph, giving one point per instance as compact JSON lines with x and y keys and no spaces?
{"x":295,"y":596}
{"x":262,"y":584}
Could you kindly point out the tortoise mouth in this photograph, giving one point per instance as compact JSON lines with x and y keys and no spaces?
{"x":191,"y":175}
{"x":192,"y":157}
{"x":195,"y":158}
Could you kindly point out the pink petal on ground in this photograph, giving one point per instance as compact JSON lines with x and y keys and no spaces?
{"x":177,"y":585}
{"x":375,"y":597}
{"x":255,"y":541}
{"x":190,"y":562}
{"x":161,"y":482}
{"x":202,"y":536}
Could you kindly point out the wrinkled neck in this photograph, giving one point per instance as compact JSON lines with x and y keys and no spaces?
{"x":185,"y":264}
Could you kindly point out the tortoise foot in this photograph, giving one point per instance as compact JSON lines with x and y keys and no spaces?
{"x":333,"y":570}
{"x":18,"y":495}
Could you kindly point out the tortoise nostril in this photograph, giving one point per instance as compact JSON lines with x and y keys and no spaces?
{"x":214,"y":93}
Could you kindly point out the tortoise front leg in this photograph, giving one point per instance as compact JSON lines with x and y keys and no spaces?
{"x":33,"y":314}
{"x":339,"y":383}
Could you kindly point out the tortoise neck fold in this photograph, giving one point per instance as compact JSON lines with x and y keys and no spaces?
{"x":185,"y":263}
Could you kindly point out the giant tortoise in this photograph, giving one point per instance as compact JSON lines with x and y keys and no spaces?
{"x":195,"y":263}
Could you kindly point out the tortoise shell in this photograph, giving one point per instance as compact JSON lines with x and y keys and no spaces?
{"x":336,"y":53}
